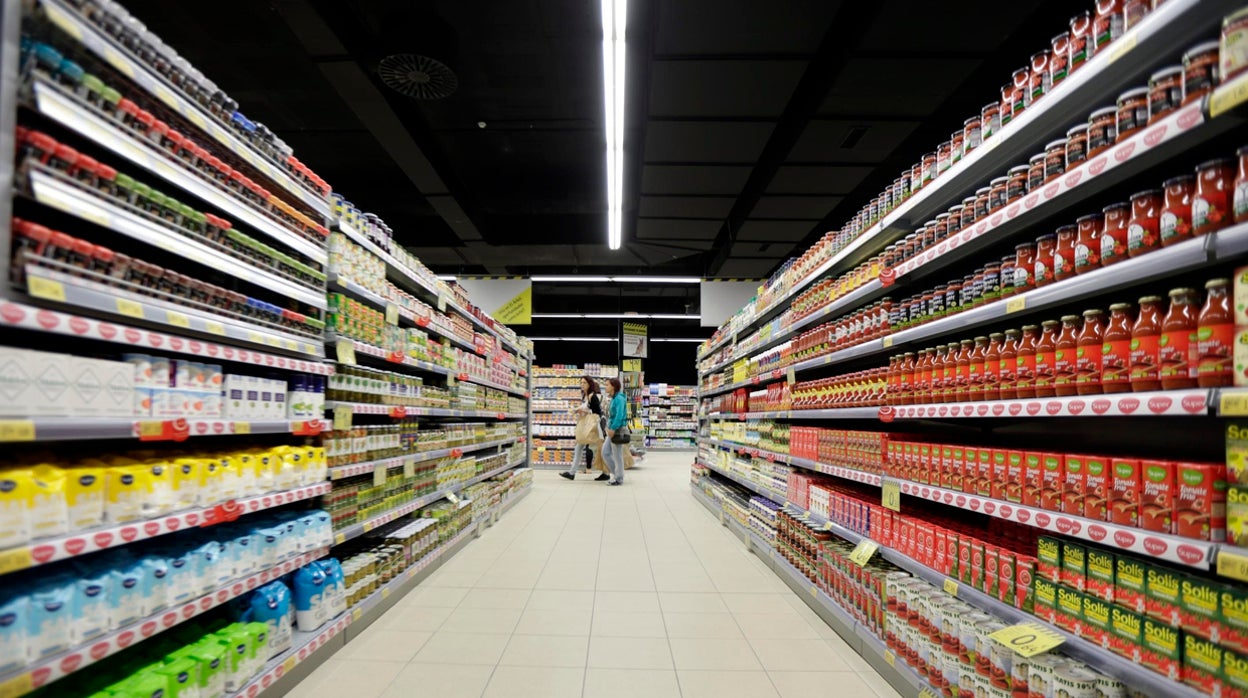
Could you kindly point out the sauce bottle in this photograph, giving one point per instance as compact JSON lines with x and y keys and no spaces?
{"x":962,"y":369}
{"x":1116,"y":350}
{"x":1144,"y":228}
{"x":1176,"y":212}
{"x":1007,"y":367}
{"x":907,"y":378}
{"x":1042,"y":272}
{"x":894,"y":380}
{"x":1064,"y":253}
{"x":1215,"y":336}
{"x":1178,"y":328}
{"x":1024,"y":267}
{"x":938,"y":373}
{"x":1240,"y":200}
{"x":1145,"y":346}
{"x":992,"y":367}
{"x":1046,"y":349}
{"x":1088,"y":353}
{"x":1065,"y":357}
{"x":975,"y":372}
{"x":1211,"y":205}
{"x":1088,"y":240}
{"x":923,"y":377}
{"x":1025,"y":363}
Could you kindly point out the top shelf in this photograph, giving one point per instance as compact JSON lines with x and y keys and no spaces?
{"x":1164,"y":33}
{"x":69,"y":21}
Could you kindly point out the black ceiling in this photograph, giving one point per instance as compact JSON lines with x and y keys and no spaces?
{"x":752,"y":126}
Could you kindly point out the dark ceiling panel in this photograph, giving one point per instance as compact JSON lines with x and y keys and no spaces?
{"x":869,"y":85}
{"x":676,"y":229}
{"x":799,"y":207}
{"x":928,"y":26}
{"x":689,"y":179}
{"x":816,"y":180}
{"x":696,"y":88}
{"x":747,"y":268}
{"x":822,"y":141}
{"x":761,"y":249}
{"x":742,"y":26}
{"x":687,"y":206}
{"x":775,"y":231}
{"x":699,"y":141}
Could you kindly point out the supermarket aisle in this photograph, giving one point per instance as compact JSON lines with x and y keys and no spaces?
{"x":585,"y":590}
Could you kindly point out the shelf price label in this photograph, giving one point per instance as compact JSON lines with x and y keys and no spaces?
{"x":16,"y":430}
{"x":345,"y":349}
{"x":214,"y":328}
{"x":452,"y":498}
{"x":15,"y":559}
{"x":177,"y":319}
{"x":862,"y":552}
{"x":1228,"y":96}
{"x":1015,"y":304}
{"x":392,"y":314}
{"x":1232,"y":565}
{"x":1232,"y":403}
{"x":379,"y":476}
{"x":891,"y":495}
{"x":342,"y":417}
{"x":45,"y":288}
{"x":1028,"y":639}
{"x":409,"y":468}
{"x":951,"y":587}
{"x":130,"y":308}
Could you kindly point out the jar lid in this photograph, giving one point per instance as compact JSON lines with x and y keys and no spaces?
{"x":1016,"y":169}
{"x":1217,"y":283}
{"x":1104,"y":111}
{"x":1049,"y":324}
{"x":1150,"y":299}
{"x":996,"y":336}
{"x":973,"y":120}
{"x":1132,"y":94}
{"x":967,"y":342}
{"x":1060,"y":143}
{"x":1202,"y":47}
{"x":1219,"y":162}
{"x":981,"y":338}
{"x":1046,"y":238}
{"x":1115,"y":207}
{"x":1038,"y":158}
{"x":1146,"y":192}
{"x":1028,"y":328}
{"x":944,"y":216}
{"x":1075,"y":130}
{"x":1181,"y":179}
{"x":1025,"y":246}
{"x":969,"y":201}
{"x":993,"y":105}
{"x":1008,"y":260}
{"x":1013,"y":333}
{"x":1064,"y":36}
{"x":999,"y":180}
{"x":1081,"y":219}
{"x":1070,"y":318}
{"x":1181,"y":292}
{"x":1166,"y":72}
{"x":1092,"y":313}
{"x":983,"y":191}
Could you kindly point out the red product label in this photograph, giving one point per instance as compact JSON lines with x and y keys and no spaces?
{"x":1124,"y":497}
{"x":1145,"y":357}
{"x":1214,"y":350}
{"x":1053,"y":473}
{"x":1014,"y":474}
{"x":1031,"y":480}
{"x":1173,"y":354}
{"x":1064,"y":366}
{"x":1088,"y":365}
{"x":1210,"y":208}
{"x":1025,"y":371}
{"x":1200,"y":505}
{"x":1073,"y":486}
{"x":1044,"y":369}
{"x":1116,"y":363}
{"x":1157,"y":496}
{"x":1096,"y":488}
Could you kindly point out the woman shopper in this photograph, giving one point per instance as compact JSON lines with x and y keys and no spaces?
{"x":617,"y":423}
{"x":589,"y":432}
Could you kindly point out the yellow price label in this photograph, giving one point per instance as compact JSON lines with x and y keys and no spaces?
{"x":409,"y":468}
{"x":452,"y":498}
{"x":379,"y":476}
{"x":951,"y":587}
{"x":392,"y":314}
{"x":150,"y":428}
{"x":891,"y":495}
{"x":1229,"y":96}
{"x":15,"y":559}
{"x":928,"y":693}
{"x":120,"y":62}
{"x":1015,"y":304}
{"x":345,"y":350}
{"x":1232,"y":565}
{"x":1233,"y":403}
{"x":862,"y":552}
{"x":290,"y":344}
{"x":17,"y":686}
{"x":214,"y":328}
{"x":255,"y":337}
{"x":814,"y":591}
{"x":342,"y":417}
{"x":242,"y":427}
{"x":385,"y":592}
{"x":888,"y":341}
{"x":289,"y":664}
{"x":17,"y":430}
{"x":1028,"y":639}
{"x":356,"y":613}
{"x":177,"y":319}
{"x":340,"y":538}
{"x":273,"y":342}
{"x":890,"y":658}
{"x":130,"y":308}
{"x":1123,"y":47}
{"x":45,"y":288}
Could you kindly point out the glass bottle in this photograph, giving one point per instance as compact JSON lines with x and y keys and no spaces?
{"x":1064,"y":253}
{"x":962,"y":368}
{"x":1215,"y":336}
{"x":1114,"y":244}
{"x":907,"y":377}
{"x":1042,"y":274}
{"x":1175,"y":223}
{"x":1025,"y":362}
{"x":975,"y":372}
{"x":941,"y":374}
{"x":1088,"y":353}
{"x":923,"y":377}
{"x":1145,"y":345}
{"x":1178,"y":330}
{"x":1144,"y":228}
{"x":1024,"y":267}
{"x":1046,"y":348}
{"x":1007,"y":379}
{"x":1116,"y":351}
{"x":992,"y":366}
{"x":1065,"y":357}
{"x":1211,"y":204}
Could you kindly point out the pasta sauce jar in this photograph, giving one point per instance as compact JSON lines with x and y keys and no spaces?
{"x":1076,"y":145}
{"x":1024,"y":267}
{"x":1177,"y":330}
{"x":1240,"y":199}
{"x":1176,"y":213}
{"x":1054,"y":160}
{"x":972,"y":135}
{"x":1144,"y":227}
{"x":1088,"y":353}
{"x":1215,"y":336}
{"x":1102,"y":130}
{"x":1233,"y":50}
{"x":1038,"y":79}
{"x":1146,"y":346}
{"x":1211,"y":204}
{"x":1114,"y":235}
{"x":1116,"y":350}
{"x":1035,"y":170}
{"x":1132,"y":112}
{"x":1200,"y":71}
{"x":1109,"y":23}
{"x":1064,"y":253}
{"x":1165,"y":92}
{"x":1059,"y":58}
{"x":989,"y":120}
{"x":1082,"y":43}
{"x":1043,"y":267}
{"x":1088,"y":243}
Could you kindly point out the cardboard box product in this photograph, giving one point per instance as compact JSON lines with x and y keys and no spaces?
{"x":1031,"y":478}
{"x":1000,"y":473}
{"x":992,"y":577}
{"x":1100,"y":574}
{"x":1239,"y":356}
{"x":1234,"y":673}
{"x":1074,"y":565}
{"x":1157,"y":496}
{"x":1096,"y":487}
{"x":1237,"y":453}
{"x":1006,"y":571}
{"x":1024,"y":576}
{"x":1200,"y":508}
{"x":1096,"y":620}
{"x":1237,"y":516}
{"x":1045,"y":599}
{"x":1200,"y":607}
{"x":1202,"y":664}
{"x":983,"y":475}
{"x":970,"y":470}
{"x":1073,"y":484}
{"x":1162,"y":650}
{"x":1233,"y":604}
{"x":1130,"y":582}
{"x":1124,"y":497}
{"x":1163,"y":588}
{"x":1052,"y":480}
{"x":1069,"y":609}
{"x":1126,"y":632}
{"x":1049,"y":558}
{"x":1239,"y":295}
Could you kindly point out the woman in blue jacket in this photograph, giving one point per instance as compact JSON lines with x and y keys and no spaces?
{"x":617,"y":417}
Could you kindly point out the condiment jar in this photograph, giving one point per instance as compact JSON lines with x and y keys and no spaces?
{"x":991,"y":282}
{"x":1046,"y":347}
{"x":1132,"y":112}
{"x":956,"y":147}
{"x":1088,"y":242}
{"x":1178,"y":330}
{"x":1116,"y":350}
{"x":906,"y":384}
{"x":1165,"y":92}
{"x":1038,"y":78}
{"x":1076,"y":145}
{"x":1064,"y":253}
{"x":1021,"y":80}
{"x":1035,"y":170}
{"x":1102,"y":130}
{"x":975,"y":369}
{"x":969,"y":212}
{"x":1054,"y":159}
{"x":1215,"y":336}
{"x":1008,"y":269}
{"x":1136,"y":10}
{"x":989,"y":120}
{"x":1146,"y":346}
{"x":1042,"y":270}
{"x":1144,"y":227}
{"x":1065,"y":357}
{"x":1088,"y":353}
{"x":1211,"y":205}
{"x":1059,"y":58}
{"x":1200,"y":71}
{"x":1016,"y":183}
{"x":1233,"y":49}
{"x":997,"y":194}
{"x":1109,"y":22}
{"x":1082,"y":43}
{"x":928,"y":168}
{"x":981,"y":202}
{"x":1240,"y":200}
{"x":1176,"y":213}
{"x":992,"y":367}
{"x":1007,"y":378}
{"x":972,"y":135}
{"x":942,"y":375}
{"x":944,"y":157}
{"x":1025,"y":362}
{"x":1114,"y":237}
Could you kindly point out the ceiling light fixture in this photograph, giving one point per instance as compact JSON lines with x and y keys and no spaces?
{"x":692,"y":340}
{"x":448,"y":277}
{"x":614,"y":24}
{"x":572,"y":279}
{"x":613,"y":316}
{"x":616,"y":279}
{"x":573,"y":339}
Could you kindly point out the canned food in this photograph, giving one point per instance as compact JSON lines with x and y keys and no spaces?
{"x":1074,"y":682}
{"x":984,"y":646}
{"x":1041,"y":672}
{"x":968,"y":648}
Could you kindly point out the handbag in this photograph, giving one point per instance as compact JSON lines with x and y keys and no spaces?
{"x":587,"y":429}
{"x":622,"y":435}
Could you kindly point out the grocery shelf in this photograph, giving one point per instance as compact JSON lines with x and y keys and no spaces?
{"x":43,"y":672}
{"x":339,"y":282}
{"x":725,"y":520}
{"x":825,"y":468}
{"x":53,"y":102}
{"x":401,"y":411}
{"x":393,"y":358}
{"x":767,"y":492}
{"x":59,"y":287}
{"x":29,"y":317}
{"x":137,"y":71}
{"x":304,"y":646}
{"x":147,"y":428}
{"x":79,"y":543}
{"x":342,"y":471}
{"x":1160,"y":403}
{"x":833,"y":413}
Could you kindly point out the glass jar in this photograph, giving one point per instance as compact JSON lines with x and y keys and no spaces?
{"x":1025,"y":362}
{"x":1132,"y":112}
{"x":1043,"y":270}
{"x":989,"y":120}
{"x":936,"y":306}
{"x":1144,"y":227}
{"x":1021,"y":80}
{"x":1114,"y":236}
{"x":1064,"y":253}
{"x":1176,"y":213}
{"x":1076,"y":145}
{"x":953,"y":297}
{"x":1082,"y":43}
{"x":1108,"y":24}
{"x":981,"y":202}
{"x":1065,"y":357}
{"x":1008,"y":367}
{"x":1215,"y":336}
{"x":972,"y":136}
{"x":997,"y":194}
{"x":969,"y":294}
{"x":992,"y":282}
{"x":1054,"y":160}
{"x":906,"y":384}
{"x":969,"y":215}
{"x":940,"y":228}
{"x":1088,"y":353}
{"x":1240,"y":200}
{"x":1016,"y":183}
{"x":1211,"y":205}
{"x":1059,"y":58}
{"x":1102,"y":130}
{"x":944,"y":157}
{"x":1146,"y":346}
{"x":1178,"y":330}
{"x":1046,"y":348}
{"x":1165,"y":92}
{"x":928,"y":168}
{"x":961,"y":371}
{"x":1024,"y":266}
{"x":1088,"y":243}
{"x":1116,"y":350}
{"x":1035,"y":170}
{"x":1200,"y":71}
{"x":1038,"y":78}
{"x":992,"y":367}
{"x":1135,"y":11}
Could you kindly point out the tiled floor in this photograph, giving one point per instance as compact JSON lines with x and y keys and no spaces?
{"x":595,"y":591}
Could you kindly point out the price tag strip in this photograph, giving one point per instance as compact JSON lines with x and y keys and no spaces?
{"x":891,"y":495}
{"x":1028,"y":639}
{"x":862,"y":552}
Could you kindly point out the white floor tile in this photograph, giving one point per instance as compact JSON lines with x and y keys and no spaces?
{"x":714,"y":654}
{"x":695,"y":625}
{"x":554,"y":622}
{"x":674,"y":602}
{"x":628,"y":624}
{"x":545,"y":650}
{"x":379,"y":644}
{"x":797,"y":655}
{"x":535,"y":682}
{"x":482,"y":620}
{"x":721,"y":684}
{"x":341,"y":677}
{"x":559,"y":599}
{"x":462,"y":648}
{"x":442,"y":680}
{"x":627,"y":602}
{"x":804,"y":684}
{"x":631,"y":683}
{"x":629,"y":653}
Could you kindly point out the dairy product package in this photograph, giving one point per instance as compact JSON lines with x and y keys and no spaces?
{"x":126,"y":485}
{"x":322,"y":528}
{"x":309,"y":595}
{"x":210,"y":655}
{"x":16,"y":501}
{"x":49,"y":514}
{"x":185,"y":572}
{"x":14,"y":628}
{"x":51,"y":620}
{"x":129,"y":586}
{"x":288,"y":467}
{"x":157,"y":581}
{"x":270,"y":538}
{"x":270,"y":604}
{"x":185,"y":481}
{"x":147,"y":684}
{"x":84,"y":496}
{"x":160,"y":501}
{"x":229,"y":478}
{"x":263,"y":471}
{"x":181,"y":677}
{"x":93,"y":596}
{"x":210,"y":566}
{"x":238,"y":655}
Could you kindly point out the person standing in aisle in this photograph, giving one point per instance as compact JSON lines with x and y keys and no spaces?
{"x":617,"y":423}
{"x":589,"y":429}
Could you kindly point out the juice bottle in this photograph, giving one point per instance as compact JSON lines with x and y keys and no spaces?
{"x":1178,"y":329}
{"x":1116,"y":350}
{"x":1215,"y":334}
{"x":992,"y":366}
{"x":1007,"y":379}
{"x":962,"y":368}
{"x":1065,"y":359}
{"x":1088,"y":353}
{"x":975,"y":371}
{"x":1145,"y":346}
{"x":1025,"y":363}
{"x":1046,"y":348}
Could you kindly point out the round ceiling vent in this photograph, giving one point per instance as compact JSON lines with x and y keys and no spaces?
{"x":420,"y":77}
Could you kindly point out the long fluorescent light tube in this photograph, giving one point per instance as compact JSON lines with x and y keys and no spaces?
{"x":612,"y":316}
{"x":572,"y":279}
{"x":556,"y":316}
{"x":656,"y":279}
{"x":448,"y":277}
{"x":573,"y":339}
{"x":693,"y":340}
{"x":661,"y":316}
{"x":614,"y":26}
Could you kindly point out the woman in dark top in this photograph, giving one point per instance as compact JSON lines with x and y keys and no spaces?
{"x":590,"y":408}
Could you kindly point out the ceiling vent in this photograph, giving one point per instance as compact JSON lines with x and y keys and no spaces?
{"x":416,"y":76}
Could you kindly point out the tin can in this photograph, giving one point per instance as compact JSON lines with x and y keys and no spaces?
{"x":1041,"y":673}
{"x":1074,"y":681}
{"x":984,"y":646}
{"x":968,"y":647}
{"x":1109,"y":687}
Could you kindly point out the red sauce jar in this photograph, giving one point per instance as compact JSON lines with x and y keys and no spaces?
{"x":981,"y":202}
{"x":1035,"y":171}
{"x":1211,"y":205}
{"x":975,"y":370}
{"x":956,"y":147}
{"x":1146,"y":346}
{"x":1007,"y":367}
{"x":961,"y":371}
{"x":1059,"y":58}
{"x":1134,"y":11}
{"x":1038,"y":83}
{"x":972,"y":135}
{"x":997,"y":189}
{"x":1102,"y":130}
{"x":1088,"y":353}
{"x":1042,"y":273}
{"x":992,"y":366}
{"x":1064,"y":253}
{"x":1025,"y":362}
{"x":1007,"y":103}
{"x":944,"y":157}
{"x":1021,"y":79}
{"x":939,"y":228}
{"x":1240,"y":200}
{"x":1114,"y":237}
{"x":1165,"y":92}
{"x":1144,"y":227}
{"x":989,"y":120}
{"x":1109,"y":22}
{"x":1215,"y":336}
{"x":1132,"y":112}
{"x":1065,"y":357}
{"x":955,"y":220}
{"x":1016,"y":183}
{"x":1007,"y":276}
{"x":1176,"y":213}
{"x":1024,"y":267}
{"x":1054,"y":160}
{"x":1082,"y":43}
{"x":969,"y":213}
{"x":928,"y":168}
{"x":1076,"y":146}
{"x":1178,"y":331}
{"x":1200,"y":71}
{"x":1088,"y":242}
{"x":1116,"y":350}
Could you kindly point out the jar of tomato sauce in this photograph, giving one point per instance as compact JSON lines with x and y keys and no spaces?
{"x":1176,"y":211}
{"x":962,"y":371}
{"x":1109,"y":22}
{"x":981,"y":202}
{"x":1065,"y":357}
{"x":1088,"y":353}
{"x":1082,"y":43}
{"x":989,"y":120}
{"x":1007,"y":379}
{"x":1178,"y":330}
{"x":1076,"y":145}
{"x":1064,"y":253}
{"x":1200,"y":71}
{"x":1102,"y":130}
{"x":1022,"y":89}
{"x":939,"y":356}
{"x":1165,"y":92}
{"x":992,"y":367}
{"x":1132,"y":112}
{"x":1016,"y":183}
{"x":1144,"y":226}
{"x":928,"y":165}
{"x":944,"y":157}
{"x":1114,"y":237}
{"x":1007,"y":275}
{"x":1038,"y":80}
{"x":972,"y":135}
{"x":1025,"y":362}
{"x":1088,"y":242}
{"x":1116,"y":351}
{"x":1215,"y":336}
{"x":1046,"y":347}
{"x":1146,"y":346}
{"x":1054,"y":160}
{"x":1059,"y":58}
{"x":1240,"y":199}
{"x":975,"y":370}
{"x":1035,"y":170}
{"x":1042,"y":272}
{"x":997,"y":194}
{"x":992,"y":283}
{"x":906,"y":369}
{"x":1135,"y":11}
{"x":1211,"y":205}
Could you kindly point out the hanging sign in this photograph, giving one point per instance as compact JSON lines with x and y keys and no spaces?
{"x":635,"y":340}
